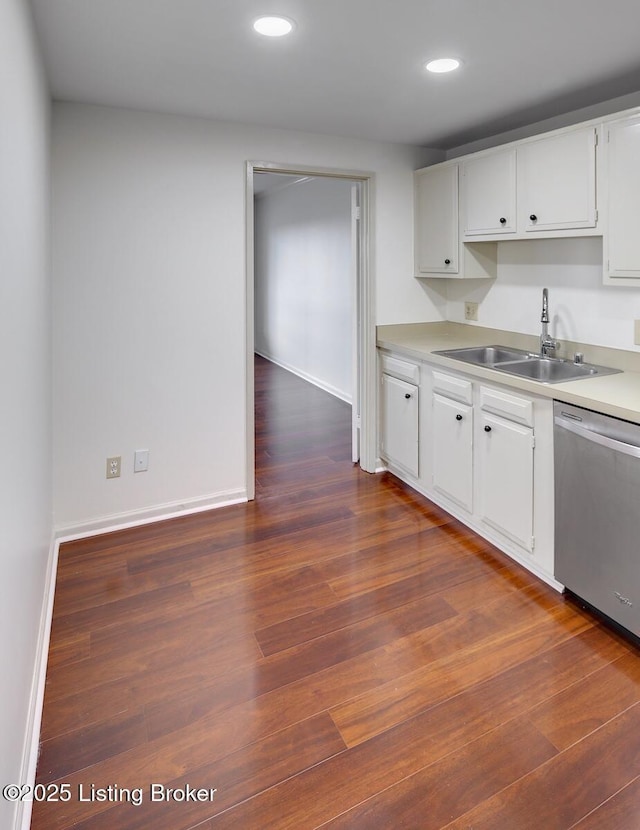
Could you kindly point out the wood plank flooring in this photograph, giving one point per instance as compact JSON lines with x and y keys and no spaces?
{"x":339,"y":653}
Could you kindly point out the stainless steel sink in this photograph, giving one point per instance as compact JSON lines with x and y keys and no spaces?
{"x":527,"y":365}
{"x":485,"y":355}
{"x":550,"y":370}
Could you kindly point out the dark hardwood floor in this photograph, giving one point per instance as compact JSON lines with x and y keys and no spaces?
{"x":339,"y":653}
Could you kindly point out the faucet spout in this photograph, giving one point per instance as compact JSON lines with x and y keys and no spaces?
{"x":545,"y":306}
{"x":548,"y":345}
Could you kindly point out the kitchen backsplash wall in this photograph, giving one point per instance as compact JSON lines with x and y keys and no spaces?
{"x":581,"y":308}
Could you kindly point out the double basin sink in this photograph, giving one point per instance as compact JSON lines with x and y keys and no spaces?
{"x":527,"y":365}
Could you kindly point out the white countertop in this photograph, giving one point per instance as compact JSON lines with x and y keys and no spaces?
{"x":617,"y":395}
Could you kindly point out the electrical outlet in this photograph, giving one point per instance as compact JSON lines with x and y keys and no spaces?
{"x":114,"y":465}
{"x":141,"y":461}
{"x":471,"y":311}
{"x":636,"y":332}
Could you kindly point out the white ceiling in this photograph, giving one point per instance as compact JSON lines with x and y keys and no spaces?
{"x":351,"y":67}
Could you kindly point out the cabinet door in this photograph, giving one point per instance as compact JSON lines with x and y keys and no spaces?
{"x":399,"y":434}
{"x":505,"y":459}
{"x":622,"y":240}
{"x":452,"y":436}
{"x":436,"y":220}
{"x":557,"y":182}
{"x":489,"y":194}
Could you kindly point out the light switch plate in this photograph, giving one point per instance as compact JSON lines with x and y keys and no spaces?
{"x":141,"y":461}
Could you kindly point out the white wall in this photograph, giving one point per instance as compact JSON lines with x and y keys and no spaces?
{"x":25,"y":410}
{"x":581,"y":308}
{"x":149,"y":304}
{"x":303,"y":280}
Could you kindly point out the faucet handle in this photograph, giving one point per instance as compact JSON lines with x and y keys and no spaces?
{"x":578,"y":357}
{"x":549,"y":346}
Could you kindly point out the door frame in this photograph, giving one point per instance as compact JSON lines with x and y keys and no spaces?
{"x":365,"y":311}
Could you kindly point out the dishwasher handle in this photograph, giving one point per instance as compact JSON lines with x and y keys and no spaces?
{"x":598,"y":438}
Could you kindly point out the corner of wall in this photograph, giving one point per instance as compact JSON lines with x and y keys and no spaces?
{"x":36,"y":697}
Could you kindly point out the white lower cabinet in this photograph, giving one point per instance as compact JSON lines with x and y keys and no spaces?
{"x":505,"y":478}
{"x":483,"y":454}
{"x":452,"y":438}
{"x":399,"y":428}
{"x":480,"y":451}
{"x":491,"y":464}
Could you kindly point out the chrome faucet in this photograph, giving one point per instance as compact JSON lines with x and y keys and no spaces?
{"x":548,"y":345}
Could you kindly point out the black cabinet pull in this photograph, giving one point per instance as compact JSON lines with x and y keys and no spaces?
{"x":533,"y":217}
{"x":447,"y":262}
{"x":458,"y":417}
{"x":503,"y":221}
{"x":407,"y":395}
{"x":487,"y":428}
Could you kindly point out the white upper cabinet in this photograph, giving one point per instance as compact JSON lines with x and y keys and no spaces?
{"x":436,"y":220}
{"x":557,"y":182}
{"x":544,"y":187}
{"x":439,"y":251}
{"x":622,"y":240}
{"x":489,"y":194}
{"x":577,"y":181}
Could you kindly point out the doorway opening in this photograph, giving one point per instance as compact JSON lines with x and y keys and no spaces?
{"x":311,"y":223}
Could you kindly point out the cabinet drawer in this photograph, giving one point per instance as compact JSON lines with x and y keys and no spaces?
{"x":453,"y":387}
{"x":511,"y":407}
{"x":400,"y":369}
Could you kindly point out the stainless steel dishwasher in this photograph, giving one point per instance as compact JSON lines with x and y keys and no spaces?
{"x":597,"y":511}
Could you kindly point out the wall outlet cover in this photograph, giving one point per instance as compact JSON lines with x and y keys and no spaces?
{"x":470,"y":311}
{"x":114,"y":466}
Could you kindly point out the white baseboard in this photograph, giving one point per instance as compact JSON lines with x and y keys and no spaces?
{"x":321,"y":384}
{"x":146,"y":515}
{"x":22,"y":816}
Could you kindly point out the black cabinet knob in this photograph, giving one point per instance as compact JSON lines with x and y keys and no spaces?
{"x":487,"y":428}
{"x":407,"y":396}
{"x":447,"y":262}
{"x":533,"y":217}
{"x":503,"y":221}
{"x":458,"y":417}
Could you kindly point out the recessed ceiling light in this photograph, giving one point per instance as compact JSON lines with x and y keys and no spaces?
{"x":272,"y":26}
{"x":443,"y":65}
